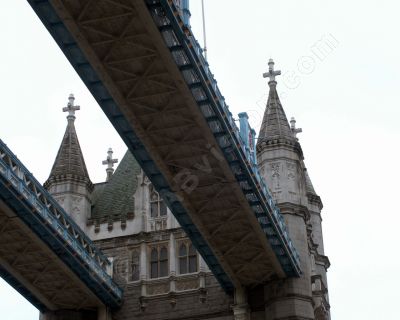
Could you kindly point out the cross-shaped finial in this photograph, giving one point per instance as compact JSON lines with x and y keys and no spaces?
{"x":71,"y":107}
{"x":271,"y":72}
{"x":295,"y":130}
{"x":110,"y":163}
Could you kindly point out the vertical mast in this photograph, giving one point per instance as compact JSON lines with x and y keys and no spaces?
{"x":204,"y":30}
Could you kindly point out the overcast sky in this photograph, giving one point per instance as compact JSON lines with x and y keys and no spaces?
{"x":346,"y":101}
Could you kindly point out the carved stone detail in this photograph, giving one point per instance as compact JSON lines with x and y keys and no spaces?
{"x":275,"y":174}
{"x":158,"y":224}
{"x":159,"y":288}
{"x":187,"y":284}
{"x":291,"y":170}
{"x":275,"y":167}
{"x":76,"y":205}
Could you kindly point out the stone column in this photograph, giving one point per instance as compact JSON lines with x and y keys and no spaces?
{"x":241,"y":310}
{"x":291,"y":298}
{"x":172,"y":261}
{"x":143,"y":267}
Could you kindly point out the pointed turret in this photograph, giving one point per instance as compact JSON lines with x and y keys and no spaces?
{"x":275,"y":124}
{"x":69,"y":180}
{"x":69,"y":163}
{"x":275,"y":127}
{"x":280,"y":161}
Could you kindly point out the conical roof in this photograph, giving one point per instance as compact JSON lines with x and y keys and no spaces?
{"x":275,"y":128}
{"x":275,"y":124}
{"x":69,"y":163}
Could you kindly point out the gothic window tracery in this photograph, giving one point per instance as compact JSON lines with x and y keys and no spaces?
{"x":159,"y":262}
{"x":187,"y":258}
{"x":158,"y":207}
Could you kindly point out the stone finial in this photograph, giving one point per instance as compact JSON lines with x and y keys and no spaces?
{"x":271,"y":74}
{"x":71,"y":108}
{"x":110,"y":164}
{"x":295,"y":130}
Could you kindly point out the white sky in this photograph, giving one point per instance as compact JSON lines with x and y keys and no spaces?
{"x":347,"y":105}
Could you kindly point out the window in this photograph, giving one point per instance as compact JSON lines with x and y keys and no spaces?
{"x":157,"y":205}
{"x":134,"y":266}
{"x":187,"y":258}
{"x":159,"y":262}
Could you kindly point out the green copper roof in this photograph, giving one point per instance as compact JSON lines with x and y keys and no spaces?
{"x":114,"y":200}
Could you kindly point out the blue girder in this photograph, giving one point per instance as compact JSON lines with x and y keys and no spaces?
{"x":49,"y":222}
{"x":195,"y":71}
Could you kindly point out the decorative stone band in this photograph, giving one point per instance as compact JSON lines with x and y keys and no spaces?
{"x":69,"y":177}
{"x":110,"y":220}
{"x":275,"y":141}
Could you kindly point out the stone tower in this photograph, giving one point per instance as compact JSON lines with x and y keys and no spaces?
{"x":69,"y":180}
{"x":281,"y":163}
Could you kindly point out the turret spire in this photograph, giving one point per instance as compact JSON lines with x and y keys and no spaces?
{"x":69,"y":180}
{"x":69,"y":163}
{"x":110,"y":163}
{"x":275,"y":126}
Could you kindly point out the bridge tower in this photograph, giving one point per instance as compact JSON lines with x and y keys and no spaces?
{"x":281,"y":163}
{"x":69,"y":180}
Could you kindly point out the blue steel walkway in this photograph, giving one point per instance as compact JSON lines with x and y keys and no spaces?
{"x":81,"y":31}
{"x":30,"y":204}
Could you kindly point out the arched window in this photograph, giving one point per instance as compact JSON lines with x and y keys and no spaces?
{"x":192,"y":259}
{"x":183,"y":265}
{"x":134,"y":267}
{"x":163,"y":262}
{"x":157,"y":204}
{"x":154,"y":264}
{"x":187,"y":258}
{"x":159,"y":262}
